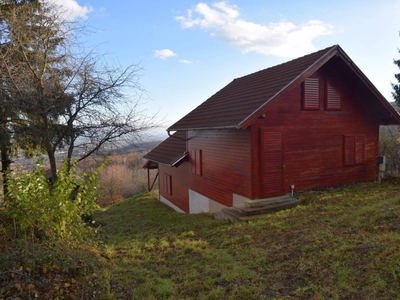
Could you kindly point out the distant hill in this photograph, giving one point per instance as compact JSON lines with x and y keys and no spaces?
{"x":142,"y":147}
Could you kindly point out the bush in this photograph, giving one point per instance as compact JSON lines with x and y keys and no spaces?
{"x":37,"y":211}
{"x":46,"y":250}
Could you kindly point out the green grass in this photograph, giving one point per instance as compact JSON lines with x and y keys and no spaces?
{"x":340,"y":243}
{"x":337,"y":244}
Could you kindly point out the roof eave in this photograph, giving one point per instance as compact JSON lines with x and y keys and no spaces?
{"x":392,"y":112}
{"x":174,"y":163}
{"x":205,"y":128}
{"x":179,"y":160}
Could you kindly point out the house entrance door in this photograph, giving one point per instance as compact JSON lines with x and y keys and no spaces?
{"x":271,"y":163}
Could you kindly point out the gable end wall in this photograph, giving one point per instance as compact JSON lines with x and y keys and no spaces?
{"x":313,"y":140}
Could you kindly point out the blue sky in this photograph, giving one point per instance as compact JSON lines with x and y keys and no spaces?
{"x":190,"y":49}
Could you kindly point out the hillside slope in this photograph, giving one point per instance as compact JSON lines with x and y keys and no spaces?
{"x":337,"y":244}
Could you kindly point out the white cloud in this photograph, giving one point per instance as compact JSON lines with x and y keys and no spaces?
{"x":71,"y":9}
{"x":185,"y":61}
{"x":164,"y":53}
{"x":283,"y":39}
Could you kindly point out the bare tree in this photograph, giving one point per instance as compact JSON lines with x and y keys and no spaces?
{"x":67,"y":98}
{"x":105,"y":107}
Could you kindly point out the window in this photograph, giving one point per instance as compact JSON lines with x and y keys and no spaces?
{"x":196,"y":161}
{"x":332,"y":96}
{"x":353,"y":149}
{"x":310,"y":95}
{"x":167,"y":181}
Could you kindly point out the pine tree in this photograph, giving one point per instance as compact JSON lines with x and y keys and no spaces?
{"x":33,"y":61}
{"x":10,"y":123}
{"x":396,"y":86}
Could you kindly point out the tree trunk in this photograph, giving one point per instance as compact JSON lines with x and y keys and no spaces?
{"x":70,"y":153}
{"x":5,"y":167}
{"x":53,"y":164}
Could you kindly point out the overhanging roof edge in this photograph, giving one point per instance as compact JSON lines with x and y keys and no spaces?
{"x":206,"y":128}
{"x":170,"y":165}
{"x":393,"y":112}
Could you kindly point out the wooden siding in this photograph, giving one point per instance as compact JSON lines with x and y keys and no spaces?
{"x":313,"y":140}
{"x":225,"y":168}
{"x":271,"y":162}
{"x":226,"y":165}
{"x":178,"y":184}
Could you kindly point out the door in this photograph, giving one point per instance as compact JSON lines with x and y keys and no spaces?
{"x":271,"y":163}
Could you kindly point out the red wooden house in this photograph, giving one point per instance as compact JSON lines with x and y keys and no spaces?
{"x":312,"y":122}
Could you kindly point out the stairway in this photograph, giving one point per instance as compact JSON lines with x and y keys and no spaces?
{"x":253,"y":209}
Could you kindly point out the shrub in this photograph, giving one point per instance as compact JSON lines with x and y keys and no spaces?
{"x":37,"y":211}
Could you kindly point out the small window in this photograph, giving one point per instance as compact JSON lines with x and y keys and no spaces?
{"x":196,"y":161}
{"x":168,"y":184}
{"x":332,"y":97}
{"x":353,"y":149}
{"x":310,"y":97}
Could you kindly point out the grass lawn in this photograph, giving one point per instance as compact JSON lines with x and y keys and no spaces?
{"x":337,"y":244}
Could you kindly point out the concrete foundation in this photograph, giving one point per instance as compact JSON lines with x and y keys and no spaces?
{"x":201,"y":204}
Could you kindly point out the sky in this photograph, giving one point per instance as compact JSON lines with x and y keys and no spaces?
{"x":188,"y":50}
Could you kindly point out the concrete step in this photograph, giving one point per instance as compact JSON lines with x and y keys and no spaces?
{"x":245,"y":213}
{"x":271,"y":207}
{"x":268,"y":201}
{"x":234,"y":216}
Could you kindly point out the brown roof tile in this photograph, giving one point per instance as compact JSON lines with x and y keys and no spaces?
{"x":233,"y":104}
{"x":171,"y":151}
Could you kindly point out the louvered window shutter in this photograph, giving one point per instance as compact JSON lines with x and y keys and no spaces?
{"x":349,"y":150}
{"x":353,"y":149}
{"x":360,"y":149}
{"x":310,"y":94}
{"x":332,"y":97}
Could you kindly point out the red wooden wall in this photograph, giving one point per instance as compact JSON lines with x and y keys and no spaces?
{"x":179,"y":184}
{"x":225,"y":168}
{"x":226,"y":163}
{"x":313,"y":139}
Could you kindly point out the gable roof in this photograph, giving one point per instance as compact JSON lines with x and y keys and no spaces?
{"x":170,"y":152}
{"x":242,"y":101}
